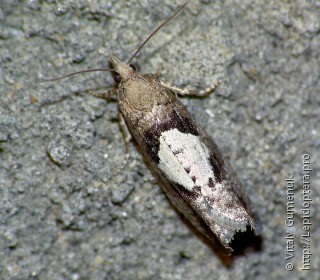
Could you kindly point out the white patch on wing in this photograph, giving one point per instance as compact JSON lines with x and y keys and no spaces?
{"x":180,"y":152}
{"x":184,"y":160}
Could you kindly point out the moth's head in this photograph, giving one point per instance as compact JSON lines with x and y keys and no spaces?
{"x":122,"y":70}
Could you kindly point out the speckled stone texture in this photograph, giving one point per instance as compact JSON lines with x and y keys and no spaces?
{"x":65,"y":214}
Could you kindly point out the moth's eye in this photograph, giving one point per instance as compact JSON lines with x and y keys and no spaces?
{"x":133,"y":67}
{"x":117,"y":78}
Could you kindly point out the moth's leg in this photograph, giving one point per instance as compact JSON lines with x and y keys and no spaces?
{"x":127,"y":138}
{"x":125,"y":131}
{"x":184,"y":91}
{"x":155,"y":75}
{"x":158,"y":73}
{"x":104,"y":94}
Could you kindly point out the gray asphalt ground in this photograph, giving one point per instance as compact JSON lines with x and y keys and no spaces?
{"x":66,"y":214}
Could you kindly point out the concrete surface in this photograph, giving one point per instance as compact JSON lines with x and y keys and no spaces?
{"x":65,"y":214}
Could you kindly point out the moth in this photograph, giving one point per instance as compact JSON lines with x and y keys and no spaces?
{"x":192,"y":171}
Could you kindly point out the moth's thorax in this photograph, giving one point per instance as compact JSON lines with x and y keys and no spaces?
{"x":123,"y":69}
{"x":138,"y":93}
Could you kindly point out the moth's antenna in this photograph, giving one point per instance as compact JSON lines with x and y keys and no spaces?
{"x":155,"y":31}
{"x":76,"y":73}
{"x":132,"y":57}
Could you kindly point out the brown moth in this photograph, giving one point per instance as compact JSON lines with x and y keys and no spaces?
{"x":195,"y":176}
